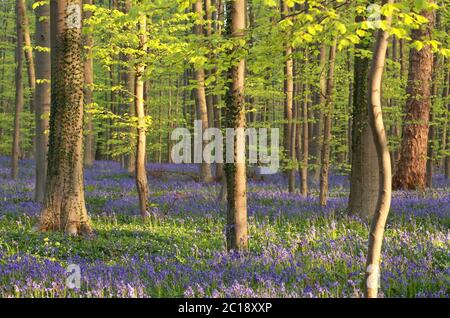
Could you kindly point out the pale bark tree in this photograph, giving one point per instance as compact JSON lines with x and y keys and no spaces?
{"x":411,"y":168}
{"x":141,"y":173}
{"x":327,"y":125}
{"x":28,"y":52}
{"x":384,"y":162}
{"x":431,"y":129}
{"x":64,"y":207}
{"x":88,"y":94}
{"x":305,"y":136}
{"x":288,"y":102}
{"x":42,"y":96}
{"x":130,"y":158}
{"x":364,"y":176}
{"x":19,"y":91}
{"x":316,"y":149}
{"x":205,"y":168}
{"x":236,"y":231}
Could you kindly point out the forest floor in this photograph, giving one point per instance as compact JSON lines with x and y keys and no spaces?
{"x":298,"y":249}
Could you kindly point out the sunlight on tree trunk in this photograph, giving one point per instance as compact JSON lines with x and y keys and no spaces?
{"x":384,"y":162}
{"x":42,"y":96}
{"x":236,"y":231}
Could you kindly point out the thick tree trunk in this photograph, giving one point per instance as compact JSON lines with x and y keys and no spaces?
{"x":19,"y":91}
{"x":141,"y":173}
{"x":88,"y":95}
{"x":364,"y":179}
{"x":431,"y":129}
{"x":327,"y":123}
{"x":64,"y":206}
{"x":43,"y":72}
{"x":205,"y":168}
{"x":384,"y":163}
{"x":413,"y":154}
{"x":236,"y":231}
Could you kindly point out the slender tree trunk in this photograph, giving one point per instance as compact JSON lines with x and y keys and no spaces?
{"x":19,"y":92}
{"x":130,"y":158}
{"x":64,"y":206}
{"x":288,"y":102}
{"x":364,"y":179}
{"x":446,"y":134}
{"x":325,"y":162}
{"x":43,"y":72}
{"x":88,"y":95}
{"x":305,"y":141}
{"x":431,"y":129}
{"x":236,"y":231}
{"x":384,"y":162}
{"x":28,"y":52}
{"x":216,"y":98}
{"x":205,"y":168}
{"x":141,"y":173}
{"x":413,"y":154}
{"x":316,"y":151}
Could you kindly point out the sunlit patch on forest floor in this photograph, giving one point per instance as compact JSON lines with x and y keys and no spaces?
{"x":298,"y":249}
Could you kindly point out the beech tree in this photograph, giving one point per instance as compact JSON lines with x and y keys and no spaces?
{"x":64,"y":206}
{"x":141,"y":172}
{"x":364,"y":176}
{"x":42,"y":96}
{"x":384,"y":160}
{"x":19,"y":91}
{"x":236,"y":230}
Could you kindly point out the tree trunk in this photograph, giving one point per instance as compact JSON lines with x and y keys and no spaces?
{"x":305,"y":141}
{"x":28,"y":52}
{"x":141,"y":173}
{"x":19,"y":92}
{"x":42,"y":97}
{"x":288,"y":102}
{"x":205,"y":168}
{"x":316,"y":151}
{"x":88,"y":95}
{"x":384,"y":162}
{"x":446,"y":134}
{"x":64,"y":205}
{"x":411,"y":168}
{"x":236,"y":231}
{"x":432,"y":130}
{"x":364,"y":178}
{"x":327,"y":123}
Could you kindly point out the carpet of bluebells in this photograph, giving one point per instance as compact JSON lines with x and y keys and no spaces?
{"x":298,"y":249}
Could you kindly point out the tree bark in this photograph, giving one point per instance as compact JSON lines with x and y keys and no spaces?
{"x":19,"y":92}
{"x":64,"y":206}
{"x":327,"y":123}
{"x":384,"y":162}
{"x":364,"y":178}
{"x":316,"y":151}
{"x":411,"y":168}
{"x":205,"y":168}
{"x":236,"y":231}
{"x":88,"y":95}
{"x":288,"y":103}
{"x":141,"y":173}
{"x":28,"y":52}
{"x":42,"y":96}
